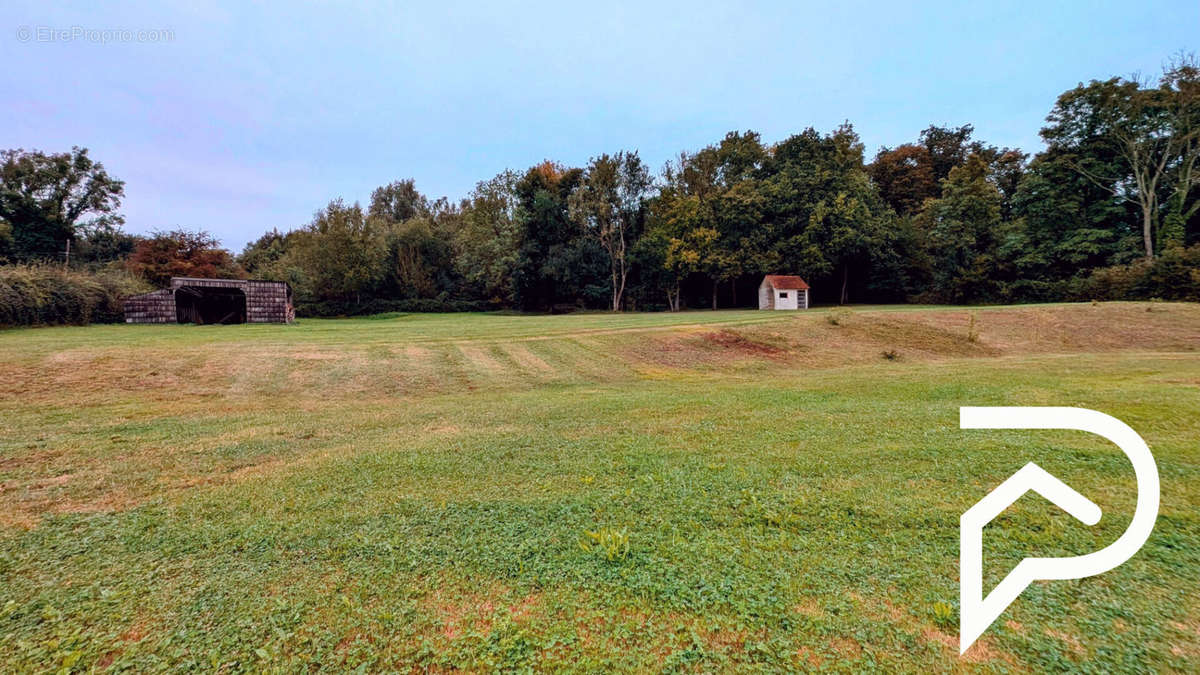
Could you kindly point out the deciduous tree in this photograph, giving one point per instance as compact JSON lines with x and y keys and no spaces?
{"x":609,"y":205}
{"x":43,"y":197}
{"x":181,"y":253}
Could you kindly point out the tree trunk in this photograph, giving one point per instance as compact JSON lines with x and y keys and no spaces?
{"x":673,"y":298}
{"x":845,"y":278}
{"x":733,"y":289}
{"x":714,"y":294}
{"x":1147,"y":227}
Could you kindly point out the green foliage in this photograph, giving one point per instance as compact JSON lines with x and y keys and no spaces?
{"x":397,"y":202}
{"x":963,"y":227}
{"x":340,"y":254}
{"x":609,"y":207}
{"x":487,"y":240}
{"x":261,"y":257}
{"x":1174,"y":275}
{"x":101,"y":244}
{"x":44,"y":196}
{"x":1140,"y":142}
{"x":556,"y":262}
{"x":44,"y":294}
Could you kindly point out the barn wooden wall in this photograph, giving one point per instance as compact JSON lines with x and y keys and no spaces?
{"x":155,"y":307}
{"x":268,"y":302}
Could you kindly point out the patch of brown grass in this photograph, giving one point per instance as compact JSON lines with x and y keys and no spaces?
{"x":458,"y":611}
{"x":1072,"y":642}
{"x":809,"y":607}
{"x":981,"y":651}
{"x":521,"y":355}
{"x":846,"y":648}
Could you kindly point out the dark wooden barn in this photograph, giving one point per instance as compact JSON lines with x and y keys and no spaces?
{"x":191,"y":300}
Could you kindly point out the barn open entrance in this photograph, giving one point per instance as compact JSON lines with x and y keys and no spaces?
{"x":196,"y":304}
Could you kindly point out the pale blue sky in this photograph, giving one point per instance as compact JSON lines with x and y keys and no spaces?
{"x":254,"y":117}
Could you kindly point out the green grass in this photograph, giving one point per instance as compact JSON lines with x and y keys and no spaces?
{"x":416,"y":492}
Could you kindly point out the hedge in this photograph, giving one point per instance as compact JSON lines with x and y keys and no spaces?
{"x":1172,"y":275}
{"x":329,"y":308}
{"x":44,"y":295}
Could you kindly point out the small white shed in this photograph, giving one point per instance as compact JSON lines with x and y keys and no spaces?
{"x":782,"y":291}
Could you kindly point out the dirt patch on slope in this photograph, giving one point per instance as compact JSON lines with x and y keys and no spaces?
{"x":809,"y":340}
{"x":733,"y":341}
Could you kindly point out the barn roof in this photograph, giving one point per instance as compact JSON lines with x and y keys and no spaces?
{"x":785,"y":282}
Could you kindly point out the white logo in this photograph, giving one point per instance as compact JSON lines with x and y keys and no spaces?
{"x":977,"y":612}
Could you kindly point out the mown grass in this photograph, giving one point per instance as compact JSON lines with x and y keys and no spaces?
{"x":412,"y":493}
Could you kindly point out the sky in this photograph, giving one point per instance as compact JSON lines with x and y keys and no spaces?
{"x":237,"y":118}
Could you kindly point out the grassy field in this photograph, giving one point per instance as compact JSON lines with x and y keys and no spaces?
{"x":657,"y":492}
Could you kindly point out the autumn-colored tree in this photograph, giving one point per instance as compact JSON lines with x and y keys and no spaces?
{"x":904,"y":177}
{"x":181,"y":253}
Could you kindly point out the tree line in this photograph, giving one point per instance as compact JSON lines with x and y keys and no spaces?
{"x":1110,"y":209}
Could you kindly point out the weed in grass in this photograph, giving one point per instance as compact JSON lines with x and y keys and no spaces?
{"x":838,"y":316}
{"x":973,"y":327}
{"x":610,"y":543}
{"x":943,"y":615}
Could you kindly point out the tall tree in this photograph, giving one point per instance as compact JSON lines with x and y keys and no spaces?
{"x":826,"y":219}
{"x":1181,"y":84}
{"x":1154,"y":132}
{"x":962,"y":228}
{"x":948,"y":148}
{"x":556,"y":262}
{"x":609,"y":205}
{"x":487,"y":241}
{"x":259,"y":257}
{"x":341,"y":252}
{"x":44,"y":196}
{"x":398,"y":201}
{"x":904,"y":177}
{"x":1068,"y":225}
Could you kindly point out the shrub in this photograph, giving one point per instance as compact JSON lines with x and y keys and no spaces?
{"x":1174,"y":275}
{"x":42,"y":295}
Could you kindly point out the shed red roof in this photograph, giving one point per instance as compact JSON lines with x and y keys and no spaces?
{"x":785,"y":282}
